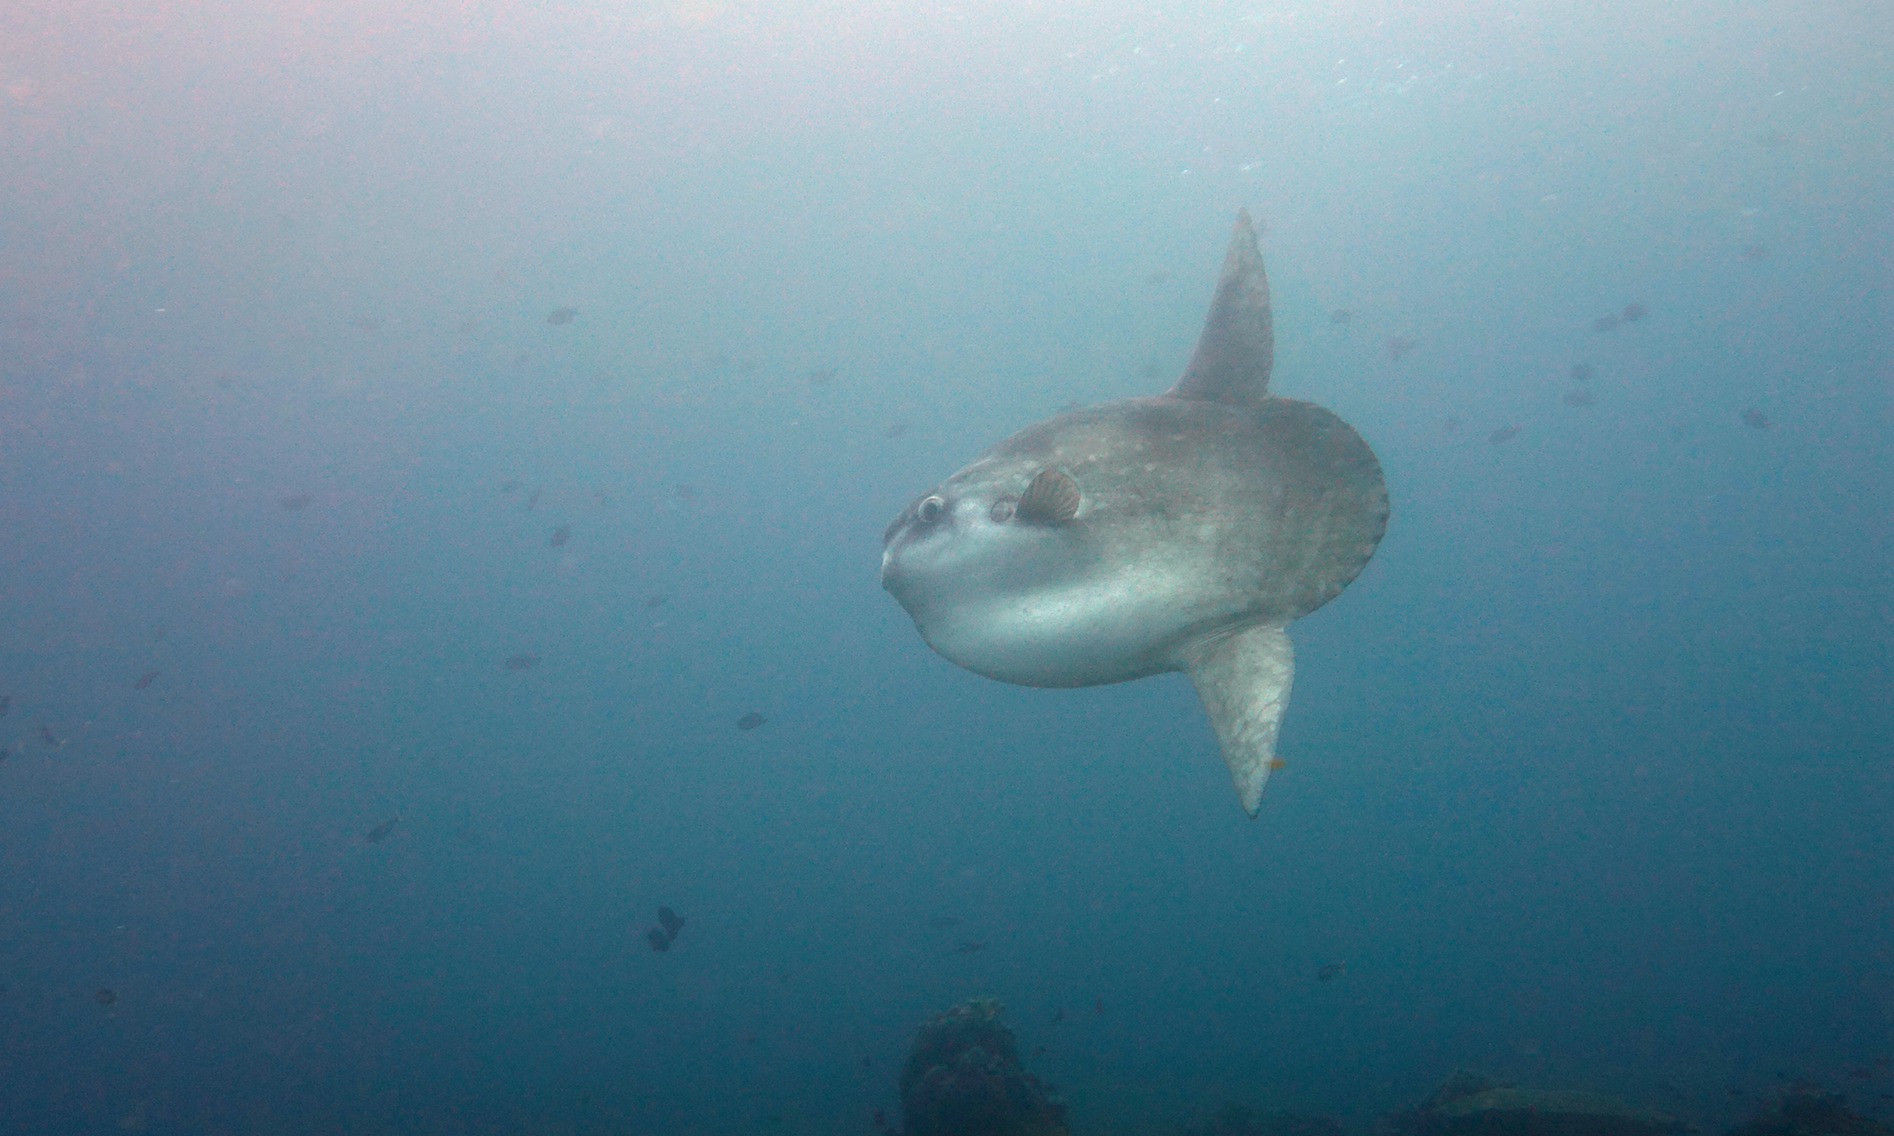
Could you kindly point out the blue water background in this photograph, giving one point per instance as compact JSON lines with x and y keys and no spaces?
{"x":1588,"y":777}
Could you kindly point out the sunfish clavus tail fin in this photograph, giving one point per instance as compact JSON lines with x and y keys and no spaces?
{"x":1244,"y":682}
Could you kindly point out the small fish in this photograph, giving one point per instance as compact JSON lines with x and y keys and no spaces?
{"x":1277,"y":763}
{"x":1098,"y":1007}
{"x":881,"y":1118}
{"x":1058,"y":1015}
{"x":294,"y":502}
{"x":510,"y":485}
{"x":944,"y":922}
{"x":145,"y":680}
{"x":599,"y":496}
{"x":5,"y":753}
{"x":659,"y":941}
{"x":1400,"y":345}
{"x":652,"y":603}
{"x":380,"y":832}
{"x":1754,"y":252}
{"x":1605,"y":323}
{"x":1755,"y":419}
{"x":105,"y":996}
{"x":894,"y":430}
{"x":686,"y":494}
{"x":1582,"y":372}
{"x":1503,"y":434}
{"x":560,"y":536}
{"x":750,"y":721}
{"x":821,"y":377}
{"x":559,"y":317}
{"x":532,"y":499}
{"x":1330,"y":971}
{"x":1039,"y":1051}
{"x":1157,"y":278}
{"x":671,"y":921}
{"x":970,"y":947}
{"x":524,"y":661}
{"x":365,"y":323}
{"x":1451,"y":425}
{"x":6,"y":704}
{"x":1341,"y":316}
{"x":1579,"y":397}
{"x":1633,"y":312}
{"x":46,"y":735}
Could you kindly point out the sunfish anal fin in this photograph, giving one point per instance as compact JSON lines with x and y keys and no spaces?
{"x":1244,"y":682}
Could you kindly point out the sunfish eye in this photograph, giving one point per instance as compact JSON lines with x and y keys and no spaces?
{"x":929,"y":510}
{"x":1002,"y":510}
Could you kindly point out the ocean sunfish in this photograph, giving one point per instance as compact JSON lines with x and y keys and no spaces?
{"x":1176,"y":533}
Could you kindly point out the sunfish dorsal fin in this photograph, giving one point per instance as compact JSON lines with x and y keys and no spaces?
{"x":1244,"y":682}
{"x":1238,"y":344}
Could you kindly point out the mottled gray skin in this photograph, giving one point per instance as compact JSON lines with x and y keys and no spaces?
{"x":1209,"y":518}
{"x":1197,"y":518}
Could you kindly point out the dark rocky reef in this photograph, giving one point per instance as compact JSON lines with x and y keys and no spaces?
{"x":963,"y":1077}
{"x":1471,"y":1105}
{"x":1807,"y":1111}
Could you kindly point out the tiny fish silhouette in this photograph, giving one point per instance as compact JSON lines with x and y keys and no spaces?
{"x":46,"y":735}
{"x":654,"y":602}
{"x":523,"y":661}
{"x":659,"y":941}
{"x":1330,"y":971}
{"x":1754,"y":252}
{"x":294,"y":502}
{"x":105,"y":996}
{"x":1341,"y":316}
{"x":1755,"y":419}
{"x":532,"y":499}
{"x":365,"y":323}
{"x":560,"y":536}
{"x":5,"y":753}
{"x":822,"y":376}
{"x":1058,"y":1015}
{"x":895,"y":430}
{"x":1582,"y":372}
{"x":944,"y":922}
{"x":1503,"y":434}
{"x":1605,"y":323}
{"x":1579,"y":397}
{"x":380,"y":832}
{"x":970,"y":947}
{"x":559,"y":317}
{"x":671,"y":921}
{"x":1633,"y":312}
{"x":750,"y":721}
{"x":6,"y":704}
{"x":145,"y":680}
{"x":1400,"y":345}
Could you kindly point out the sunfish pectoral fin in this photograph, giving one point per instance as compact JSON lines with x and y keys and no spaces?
{"x":1244,"y":682}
